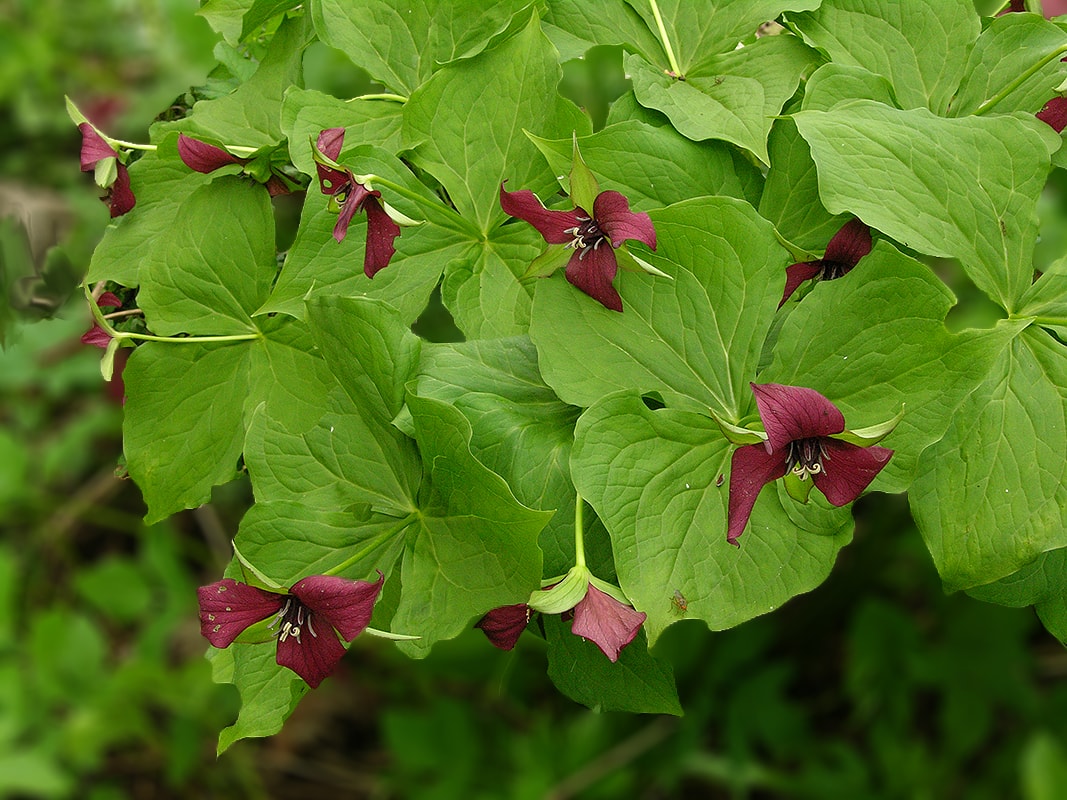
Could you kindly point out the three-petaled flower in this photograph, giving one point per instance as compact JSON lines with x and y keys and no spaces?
{"x":111,"y":174}
{"x":205,"y":158}
{"x":353,"y":196}
{"x":307,"y":619}
{"x":806,"y":438}
{"x":594,"y":237}
{"x":843,"y":252}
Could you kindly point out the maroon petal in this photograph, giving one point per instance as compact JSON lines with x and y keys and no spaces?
{"x":276,"y":186}
{"x":228,"y":607}
{"x":109,"y":300}
{"x":796,"y":274}
{"x":851,"y":243}
{"x":312,"y":656}
{"x":96,"y":336}
{"x":344,"y":604}
{"x":329,"y":143}
{"x":612,"y":213}
{"x":348,"y":210}
{"x":602,"y":619}
{"x":790,"y":413}
{"x":848,"y":469}
{"x":94,"y":147}
{"x":503,"y":626}
{"x":552,"y":225}
{"x":751,"y":468}
{"x":381,"y":232}
{"x":1054,"y":113}
{"x":120,"y":195}
{"x":204,"y":157}
{"x":592,"y":270}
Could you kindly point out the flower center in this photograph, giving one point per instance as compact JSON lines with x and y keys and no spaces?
{"x":292,"y":620}
{"x":832,"y":270}
{"x":587,"y":234}
{"x":805,"y":456}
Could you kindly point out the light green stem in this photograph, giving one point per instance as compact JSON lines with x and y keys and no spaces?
{"x":665,"y":40}
{"x":1019,"y":81}
{"x":395,"y":98}
{"x":147,"y":337}
{"x":372,"y":544}
{"x":117,"y":143}
{"x":445,"y":216}
{"x":579,"y":532}
{"x":1058,"y":321}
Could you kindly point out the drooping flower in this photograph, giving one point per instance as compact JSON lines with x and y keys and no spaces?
{"x":606,"y":621}
{"x":204,"y":158}
{"x":594,"y":237}
{"x":843,"y":252}
{"x":99,"y":156}
{"x":96,"y":335}
{"x":1054,"y":113}
{"x":503,"y":626}
{"x":804,"y":440}
{"x":308,"y":618}
{"x":353,"y":197}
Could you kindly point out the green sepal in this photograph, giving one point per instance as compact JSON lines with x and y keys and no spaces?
{"x":565,"y":595}
{"x":393,"y":637}
{"x":584,"y":186}
{"x":631,"y":263}
{"x":105,"y":172}
{"x":399,"y":218}
{"x":107,"y":363}
{"x":252,"y":576}
{"x":75,"y":114}
{"x":556,"y":256}
{"x":865,"y":437}
{"x":796,"y":488}
{"x":320,"y":158}
{"x":735,"y":434}
{"x":610,"y":589}
{"x":258,"y":632}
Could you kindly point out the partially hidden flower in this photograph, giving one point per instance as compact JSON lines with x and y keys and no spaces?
{"x":599,"y":616}
{"x":308,"y":619}
{"x":352,"y":197}
{"x":204,"y":158}
{"x":1054,"y":113}
{"x":594,"y":235}
{"x":96,"y":335}
{"x":806,"y":438}
{"x":843,"y":252}
{"x":111,"y":174}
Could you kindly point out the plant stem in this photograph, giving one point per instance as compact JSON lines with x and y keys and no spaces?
{"x":579,"y":532}
{"x":1019,"y":81}
{"x":675,"y":69}
{"x":445,"y":216}
{"x":130,"y":145}
{"x":395,"y":98}
{"x":127,"y":313}
{"x":147,"y":337}
{"x":372,"y":543}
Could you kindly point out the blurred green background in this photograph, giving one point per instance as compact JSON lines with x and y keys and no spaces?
{"x":876,"y":685}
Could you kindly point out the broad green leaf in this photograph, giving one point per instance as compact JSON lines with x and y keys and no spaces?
{"x":872,"y":357}
{"x":161,"y":183}
{"x":210,"y":276}
{"x":183,"y":430}
{"x":576,"y":25}
{"x":659,"y":480}
{"x":733,"y":96}
{"x":1046,"y":299}
{"x":919,"y":47}
{"x":695,"y":339}
{"x":1005,"y":51}
{"x":965,"y":188}
{"x":225,"y":17}
{"x":269,"y":693}
{"x":655,"y":166}
{"x":402,"y":42}
{"x":1043,"y":579}
{"x":473,"y":152}
{"x":991,"y":496}
{"x":520,"y":429}
{"x":835,"y":83}
{"x":637,"y":683}
{"x":473,"y":547}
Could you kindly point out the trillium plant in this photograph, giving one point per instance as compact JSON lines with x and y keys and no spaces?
{"x":761,"y":234}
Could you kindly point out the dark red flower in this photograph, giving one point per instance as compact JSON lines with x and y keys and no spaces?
{"x":203,"y":157}
{"x":353,"y":197}
{"x":800,"y":425}
{"x":96,"y":335}
{"x":503,"y":626}
{"x":95,"y":150}
{"x":1055,"y":113}
{"x":309,"y":618}
{"x":844,"y":251}
{"x":607,"y":622}
{"x":594,"y":237}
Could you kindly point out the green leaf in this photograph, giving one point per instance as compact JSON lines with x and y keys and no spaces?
{"x":655,"y":166}
{"x":919,"y":47}
{"x":870,"y":356}
{"x":183,"y":430}
{"x":1046,"y":299}
{"x":658,"y":480}
{"x":733,"y":96}
{"x":695,"y":339}
{"x":217,"y":264}
{"x":577,"y":25}
{"x":835,"y":83}
{"x":637,"y":683}
{"x":269,"y":693}
{"x":965,"y":188}
{"x":1042,"y":580}
{"x":472,"y":153}
{"x":402,"y":42}
{"x":1006,"y":50}
{"x":991,"y":496}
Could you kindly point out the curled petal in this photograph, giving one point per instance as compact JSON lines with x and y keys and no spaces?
{"x":612,"y":213}
{"x":796,"y":274}
{"x":228,"y":607}
{"x":96,"y":336}
{"x":348,"y":210}
{"x":552,"y":225}
{"x":94,"y":147}
{"x":204,"y":157}
{"x":120,"y":196}
{"x":1054,"y":113}
{"x":503,"y":626}
{"x":312,"y":656}
{"x":602,"y":619}
{"x":592,"y":270}
{"x":381,"y":233}
{"x":109,"y":300}
{"x":346,"y":605}
{"x":851,"y":243}
{"x":848,"y":469}
{"x":329,"y":143}
{"x":751,"y":468}
{"x":790,"y":413}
